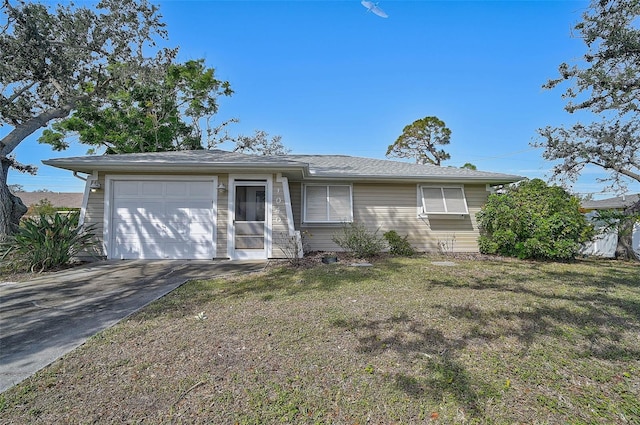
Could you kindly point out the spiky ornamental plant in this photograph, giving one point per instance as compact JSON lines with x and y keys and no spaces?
{"x":46,"y":242}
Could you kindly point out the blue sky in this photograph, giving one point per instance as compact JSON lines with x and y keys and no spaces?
{"x":331,"y":78}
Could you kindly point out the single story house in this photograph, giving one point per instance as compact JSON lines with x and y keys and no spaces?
{"x":616,"y":203}
{"x":208,"y":204}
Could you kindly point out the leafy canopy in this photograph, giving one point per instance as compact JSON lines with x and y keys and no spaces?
{"x":155,"y":109}
{"x":53,"y":59}
{"x":606,"y":85}
{"x":420,"y":140}
{"x":533,"y":220}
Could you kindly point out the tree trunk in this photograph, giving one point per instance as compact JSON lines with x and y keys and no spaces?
{"x":11,"y":207}
{"x":624,"y":250}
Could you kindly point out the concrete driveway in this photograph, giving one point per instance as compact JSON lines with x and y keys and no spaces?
{"x":45,"y":318}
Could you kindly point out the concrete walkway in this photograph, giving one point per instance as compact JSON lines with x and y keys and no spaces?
{"x":45,"y":318}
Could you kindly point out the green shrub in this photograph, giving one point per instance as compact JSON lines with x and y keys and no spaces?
{"x":533,"y":220}
{"x":398,"y":245}
{"x":356,"y":238}
{"x":42,"y":207}
{"x":45,"y":242}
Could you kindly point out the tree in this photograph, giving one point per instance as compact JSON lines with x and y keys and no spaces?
{"x":469,"y":166}
{"x":420,"y":140}
{"x":16,"y":188}
{"x":622,"y":222}
{"x":533,"y":220}
{"x":52,"y":61}
{"x":605,"y":84}
{"x":156,"y":109}
{"x":260,"y":144}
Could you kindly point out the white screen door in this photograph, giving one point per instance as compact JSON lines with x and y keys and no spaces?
{"x":249,"y":220}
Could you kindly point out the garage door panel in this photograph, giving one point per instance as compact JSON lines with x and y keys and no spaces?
{"x":200,"y":190}
{"x":163,"y":219}
{"x":151,"y":189}
{"x":127,"y":250}
{"x":136,"y":210}
{"x":177,"y":189}
{"x":147,"y":231}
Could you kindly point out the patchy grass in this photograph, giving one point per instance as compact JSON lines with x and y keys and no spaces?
{"x":406,"y":341}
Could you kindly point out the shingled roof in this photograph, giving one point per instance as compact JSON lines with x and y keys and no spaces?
{"x":618,"y":202}
{"x":57,"y":199}
{"x":306,"y":166}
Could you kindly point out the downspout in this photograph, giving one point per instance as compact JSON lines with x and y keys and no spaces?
{"x":87,"y":190}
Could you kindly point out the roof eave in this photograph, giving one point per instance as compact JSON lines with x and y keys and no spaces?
{"x":190,"y":167}
{"x":416,"y":179}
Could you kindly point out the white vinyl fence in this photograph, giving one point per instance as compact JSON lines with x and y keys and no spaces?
{"x":604,"y":245}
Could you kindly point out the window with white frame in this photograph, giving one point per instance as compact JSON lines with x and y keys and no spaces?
{"x":443,"y":200}
{"x":327,"y":204}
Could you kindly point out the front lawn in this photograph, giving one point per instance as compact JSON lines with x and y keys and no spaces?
{"x":405,"y":341}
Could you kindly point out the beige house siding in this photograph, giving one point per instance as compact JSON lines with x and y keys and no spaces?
{"x":94,"y":216}
{"x":384,"y":207}
{"x":380,"y":207}
{"x":283,"y":244}
{"x":222,"y":218}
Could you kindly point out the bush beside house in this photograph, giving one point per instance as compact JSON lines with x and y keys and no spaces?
{"x":533,"y":220}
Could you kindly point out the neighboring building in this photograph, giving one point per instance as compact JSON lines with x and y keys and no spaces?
{"x":216,"y":204}
{"x":605,"y":243}
{"x":61,"y":200}
{"x":617,"y":203}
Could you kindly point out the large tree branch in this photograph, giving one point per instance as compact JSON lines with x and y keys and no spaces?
{"x":18,"y":93}
{"x":618,"y":170}
{"x":22,"y":131}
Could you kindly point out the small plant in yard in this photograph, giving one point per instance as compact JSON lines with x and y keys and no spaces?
{"x":356,"y":238}
{"x":398,"y":245}
{"x":45,"y":242}
{"x":446,"y":246}
{"x":42,"y":207}
{"x":294,"y":247}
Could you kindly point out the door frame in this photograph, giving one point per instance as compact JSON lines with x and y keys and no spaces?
{"x":107,"y":231}
{"x":244,"y":180}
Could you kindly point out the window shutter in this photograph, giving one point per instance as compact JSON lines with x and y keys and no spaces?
{"x":339,"y":203}
{"x":316,"y":199}
{"x":455,"y":200}
{"x":444,"y":200}
{"x":328,"y":204}
{"x":432,"y":199}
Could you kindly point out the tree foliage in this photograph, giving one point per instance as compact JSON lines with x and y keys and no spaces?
{"x":95,"y":73}
{"x":606,"y":84}
{"x":260,"y":144}
{"x":533,"y":220}
{"x":155,"y":109}
{"x":53,"y":59}
{"x":469,"y":166}
{"x":421,"y":140}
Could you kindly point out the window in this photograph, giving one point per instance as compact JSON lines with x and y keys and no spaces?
{"x":327,"y":204}
{"x":443,"y":200}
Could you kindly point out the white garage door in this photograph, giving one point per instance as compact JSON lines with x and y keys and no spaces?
{"x":163,"y":219}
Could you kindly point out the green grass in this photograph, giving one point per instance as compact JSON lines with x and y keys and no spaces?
{"x":405,"y":341}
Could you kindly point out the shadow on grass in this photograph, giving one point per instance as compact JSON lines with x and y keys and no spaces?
{"x":442,"y":374}
{"x":274,"y":284}
{"x":594,"y":307}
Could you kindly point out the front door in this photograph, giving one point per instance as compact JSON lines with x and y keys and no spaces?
{"x":249,"y":220}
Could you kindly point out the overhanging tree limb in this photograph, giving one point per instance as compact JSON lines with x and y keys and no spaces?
{"x":22,"y":131}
